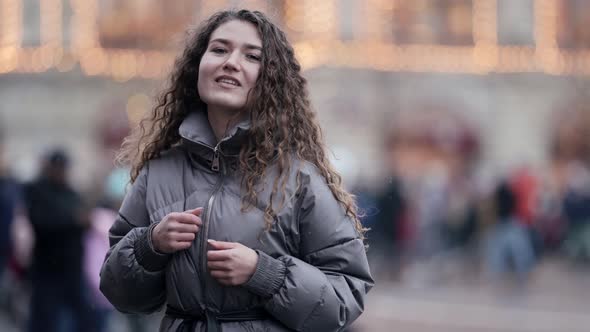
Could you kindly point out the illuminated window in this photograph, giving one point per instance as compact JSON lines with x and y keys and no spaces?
{"x":446,"y":22}
{"x":311,"y":19}
{"x":516,"y":22}
{"x":144,"y":24}
{"x":573,"y":28}
{"x":32,"y":28}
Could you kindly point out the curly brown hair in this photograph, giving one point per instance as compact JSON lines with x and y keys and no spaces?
{"x":283,"y":124}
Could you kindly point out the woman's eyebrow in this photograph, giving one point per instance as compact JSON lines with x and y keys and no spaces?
{"x":253,"y":47}
{"x":227,"y":42}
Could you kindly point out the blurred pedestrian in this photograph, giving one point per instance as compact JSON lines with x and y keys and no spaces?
{"x":96,"y":245}
{"x":56,"y":213}
{"x":508,"y":246}
{"x":386,"y":235}
{"x":236,"y":218}
{"x":576,"y":210}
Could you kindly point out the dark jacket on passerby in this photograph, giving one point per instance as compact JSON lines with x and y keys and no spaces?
{"x":312,"y":272}
{"x":385,"y":234}
{"x":53,"y":209}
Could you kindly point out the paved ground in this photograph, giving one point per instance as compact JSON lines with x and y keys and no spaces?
{"x":556,"y":300}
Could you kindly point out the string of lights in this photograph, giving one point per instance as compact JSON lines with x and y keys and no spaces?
{"x":312,"y":25}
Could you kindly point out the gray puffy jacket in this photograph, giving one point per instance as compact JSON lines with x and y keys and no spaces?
{"x":312,"y":272}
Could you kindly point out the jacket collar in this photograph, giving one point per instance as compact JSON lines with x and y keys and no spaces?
{"x":195,"y":128}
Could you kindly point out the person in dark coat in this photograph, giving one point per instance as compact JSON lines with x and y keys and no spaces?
{"x":507,"y":244}
{"x":56,"y":214}
{"x":385,"y":236}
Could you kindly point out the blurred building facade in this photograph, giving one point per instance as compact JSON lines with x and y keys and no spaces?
{"x":504,"y":66}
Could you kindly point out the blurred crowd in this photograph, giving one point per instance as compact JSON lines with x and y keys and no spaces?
{"x":434,"y":216}
{"x":442,"y":213}
{"x":53,"y":240}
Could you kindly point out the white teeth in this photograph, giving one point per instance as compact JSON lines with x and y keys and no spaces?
{"x":228,"y":81}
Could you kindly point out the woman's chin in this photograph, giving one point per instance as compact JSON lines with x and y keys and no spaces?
{"x":226,"y":107}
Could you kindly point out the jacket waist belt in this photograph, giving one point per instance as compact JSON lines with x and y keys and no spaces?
{"x":214,"y":319}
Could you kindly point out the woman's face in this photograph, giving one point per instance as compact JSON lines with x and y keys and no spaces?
{"x":229,"y":68}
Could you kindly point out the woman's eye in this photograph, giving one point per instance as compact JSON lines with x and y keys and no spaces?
{"x":253,"y":57}
{"x":218,"y":50}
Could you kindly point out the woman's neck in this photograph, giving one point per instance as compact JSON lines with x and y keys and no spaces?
{"x":221,"y":120}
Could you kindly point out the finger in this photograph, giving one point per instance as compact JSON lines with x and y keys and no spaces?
{"x":181,"y":245}
{"x":183,"y":237}
{"x":218,"y":265}
{"x":187,"y":218}
{"x":184,"y":228}
{"x":197,"y":212}
{"x":218,"y":255}
{"x":221,"y":245}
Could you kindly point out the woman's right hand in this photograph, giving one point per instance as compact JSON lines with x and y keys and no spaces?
{"x":177,"y":231}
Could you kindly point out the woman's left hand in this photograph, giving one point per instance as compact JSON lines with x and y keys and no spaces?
{"x":231,"y":263}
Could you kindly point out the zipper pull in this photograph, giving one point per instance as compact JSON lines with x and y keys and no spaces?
{"x":215,"y":163}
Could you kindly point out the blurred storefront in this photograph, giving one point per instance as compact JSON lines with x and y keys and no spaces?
{"x":509,"y":63}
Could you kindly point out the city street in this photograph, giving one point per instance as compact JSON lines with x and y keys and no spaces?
{"x":556,"y":300}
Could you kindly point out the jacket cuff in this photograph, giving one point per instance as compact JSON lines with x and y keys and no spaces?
{"x":269,"y":276}
{"x":146,"y":255}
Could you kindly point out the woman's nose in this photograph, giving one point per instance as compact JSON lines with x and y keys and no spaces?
{"x":232,"y":62}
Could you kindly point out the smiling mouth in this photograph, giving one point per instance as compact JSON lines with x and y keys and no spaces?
{"x":228,"y":80}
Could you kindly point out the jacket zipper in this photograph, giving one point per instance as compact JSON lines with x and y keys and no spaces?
{"x":215,"y":163}
{"x":215,"y":166}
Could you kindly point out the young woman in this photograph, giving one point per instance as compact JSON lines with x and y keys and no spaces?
{"x":235,"y":218}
